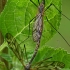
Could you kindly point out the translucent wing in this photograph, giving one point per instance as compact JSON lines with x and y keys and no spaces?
{"x":48,"y":65}
{"x":12,"y":43}
{"x":14,"y":46}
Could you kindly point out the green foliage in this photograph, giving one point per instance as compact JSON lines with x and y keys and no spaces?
{"x":16,"y":16}
{"x":15,"y":20}
{"x":2,"y":66}
{"x":56,"y":54}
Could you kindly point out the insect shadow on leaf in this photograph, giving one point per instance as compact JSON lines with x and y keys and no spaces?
{"x":38,"y":25}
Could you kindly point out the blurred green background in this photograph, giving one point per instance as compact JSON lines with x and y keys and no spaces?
{"x":64,"y":29}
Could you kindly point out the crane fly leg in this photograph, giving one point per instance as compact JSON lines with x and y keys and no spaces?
{"x":29,"y":30}
{"x":58,"y":32}
{"x":34,"y":3}
{"x":39,"y":63}
{"x":58,"y":10}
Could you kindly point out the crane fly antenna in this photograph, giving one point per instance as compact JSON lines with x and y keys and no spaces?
{"x":58,"y":10}
{"x":58,"y":32}
{"x":34,"y":3}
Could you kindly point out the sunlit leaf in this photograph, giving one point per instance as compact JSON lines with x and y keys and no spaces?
{"x":16,"y":16}
{"x":56,"y":54}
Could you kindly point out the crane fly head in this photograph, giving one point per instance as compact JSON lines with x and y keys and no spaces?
{"x":41,"y":7}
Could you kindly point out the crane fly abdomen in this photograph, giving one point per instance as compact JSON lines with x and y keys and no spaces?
{"x":38,"y":27}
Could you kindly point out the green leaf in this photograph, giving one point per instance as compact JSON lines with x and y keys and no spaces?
{"x":16,"y":16}
{"x":65,"y":69}
{"x":15,"y":20}
{"x":56,"y":54}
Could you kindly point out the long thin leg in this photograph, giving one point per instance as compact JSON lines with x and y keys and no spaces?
{"x":58,"y":32}
{"x":58,"y":10}
{"x":34,"y":3}
{"x":29,"y":30}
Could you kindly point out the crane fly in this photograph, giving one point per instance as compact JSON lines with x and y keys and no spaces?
{"x":44,"y":64}
{"x":38,"y":25}
{"x":37,"y":33}
{"x":38,"y":22}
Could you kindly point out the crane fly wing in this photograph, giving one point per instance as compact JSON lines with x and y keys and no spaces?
{"x":50,"y":65}
{"x":14,"y":46}
{"x":11,"y":41}
{"x":38,"y":27}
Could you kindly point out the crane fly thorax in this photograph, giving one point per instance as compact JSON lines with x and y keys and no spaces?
{"x":41,"y":8}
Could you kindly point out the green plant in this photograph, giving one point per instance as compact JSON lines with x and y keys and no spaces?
{"x":15,"y":20}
